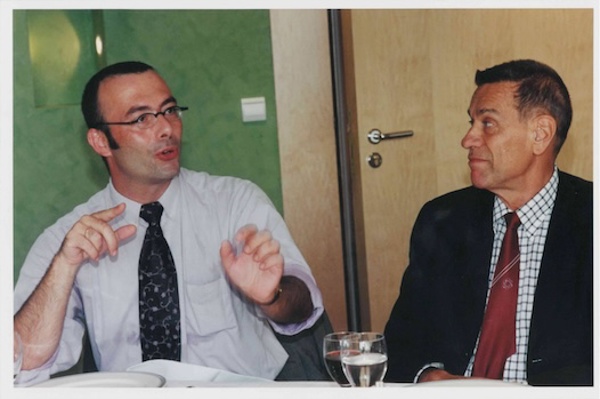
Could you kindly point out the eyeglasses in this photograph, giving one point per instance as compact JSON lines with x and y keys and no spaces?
{"x":148,"y":119}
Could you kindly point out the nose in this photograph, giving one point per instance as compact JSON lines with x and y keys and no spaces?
{"x":163,"y":126}
{"x":470,"y":139}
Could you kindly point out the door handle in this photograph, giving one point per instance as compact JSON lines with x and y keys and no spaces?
{"x":375,"y":136}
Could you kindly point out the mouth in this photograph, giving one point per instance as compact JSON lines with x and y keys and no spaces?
{"x":474,"y":158}
{"x":168,"y":153}
{"x":476,"y":163}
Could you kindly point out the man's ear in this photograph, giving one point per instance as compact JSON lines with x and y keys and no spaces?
{"x":544,"y":130}
{"x":99,"y":142}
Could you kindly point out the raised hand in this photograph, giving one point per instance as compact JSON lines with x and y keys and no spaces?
{"x":41,"y":318}
{"x":92,"y":236}
{"x":256,"y":271}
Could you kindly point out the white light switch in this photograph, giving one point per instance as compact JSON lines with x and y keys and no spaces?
{"x":254,"y":109}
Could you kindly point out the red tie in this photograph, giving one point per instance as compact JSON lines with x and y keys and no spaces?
{"x":498,"y":340}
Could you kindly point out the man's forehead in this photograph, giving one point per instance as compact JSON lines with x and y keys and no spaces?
{"x":493,"y":96}
{"x":129,"y":79}
{"x":131,"y":87}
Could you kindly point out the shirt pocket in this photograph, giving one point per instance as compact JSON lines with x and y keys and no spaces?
{"x":210,"y":307}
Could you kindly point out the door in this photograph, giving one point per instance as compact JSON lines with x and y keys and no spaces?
{"x":414,"y":70}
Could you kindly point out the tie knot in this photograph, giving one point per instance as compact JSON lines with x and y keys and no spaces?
{"x":512,"y":221}
{"x":151,"y":213}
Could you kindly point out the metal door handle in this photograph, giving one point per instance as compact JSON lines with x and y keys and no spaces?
{"x":375,"y":135}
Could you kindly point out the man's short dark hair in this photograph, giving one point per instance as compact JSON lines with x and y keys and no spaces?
{"x":540,"y":88}
{"x":89,"y":101}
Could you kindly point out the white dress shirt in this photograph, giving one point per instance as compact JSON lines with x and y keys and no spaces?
{"x":219,"y":328}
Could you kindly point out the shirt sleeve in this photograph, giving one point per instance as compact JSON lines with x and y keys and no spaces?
{"x":315,"y":296}
{"x":257,"y":208}
{"x":434,"y":365}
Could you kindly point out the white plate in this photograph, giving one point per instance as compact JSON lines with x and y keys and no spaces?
{"x":106,"y":379}
{"x":178,"y":372}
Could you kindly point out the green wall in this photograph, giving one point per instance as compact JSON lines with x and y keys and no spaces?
{"x":210,"y":59}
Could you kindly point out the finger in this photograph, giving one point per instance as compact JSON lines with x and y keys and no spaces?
{"x":102,"y":241}
{"x":274,"y":263}
{"x":109,"y":214}
{"x":124,"y":232}
{"x":95,"y":243}
{"x":100,"y":233}
{"x":227,"y":255}
{"x":267,"y":248}
{"x":245,"y":233}
{"x":94,"y":238}
{"x":87,"y":246}
{"x":256,"y":240}
{"x":120,"y":234}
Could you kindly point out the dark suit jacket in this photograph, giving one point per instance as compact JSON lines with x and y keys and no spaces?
{"x":440,"y":309}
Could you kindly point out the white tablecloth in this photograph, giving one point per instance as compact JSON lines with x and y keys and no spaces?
{"x":187,"y":375}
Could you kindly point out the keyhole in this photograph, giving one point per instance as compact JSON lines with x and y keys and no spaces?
{"x":375,"y":160}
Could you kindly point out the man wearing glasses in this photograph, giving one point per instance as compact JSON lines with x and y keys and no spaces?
{"x":163,"y":263}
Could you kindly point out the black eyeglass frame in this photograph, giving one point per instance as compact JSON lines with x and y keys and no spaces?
{"x":176,"y":108}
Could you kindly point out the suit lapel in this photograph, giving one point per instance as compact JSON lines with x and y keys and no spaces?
{"x":560,"y":251}
{"x":479,"y":240}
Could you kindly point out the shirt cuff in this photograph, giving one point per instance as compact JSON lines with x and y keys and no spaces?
{"x":315,"y":296}
{"x":35,"y":376}
{"x":433,"y":365}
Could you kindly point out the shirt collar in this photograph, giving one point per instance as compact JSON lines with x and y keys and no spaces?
{"x":132,"y":210}
{"x":533,"y":213}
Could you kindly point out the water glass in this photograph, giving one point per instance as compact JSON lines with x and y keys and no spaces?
{"x":331,"y":356}
{"x":364,"y":358}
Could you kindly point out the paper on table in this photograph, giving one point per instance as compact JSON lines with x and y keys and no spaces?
{"x":186,"y":373}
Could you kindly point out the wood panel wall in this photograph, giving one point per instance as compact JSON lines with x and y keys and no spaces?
{"x":307,"y":148}
{"x":561,"y":38}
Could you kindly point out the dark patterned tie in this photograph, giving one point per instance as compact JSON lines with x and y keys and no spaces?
{"x":159,"y":298}
{"x":498,"y":338}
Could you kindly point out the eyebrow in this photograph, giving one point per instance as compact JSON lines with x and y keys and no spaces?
{"x":139,"y":108}
{"x":482,"y":111}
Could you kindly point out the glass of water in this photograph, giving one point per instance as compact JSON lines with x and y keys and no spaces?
{"x":364,"y":358}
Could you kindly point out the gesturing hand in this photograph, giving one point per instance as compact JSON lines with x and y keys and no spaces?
{"x":92,"y":236}
{"x":257,"y":269}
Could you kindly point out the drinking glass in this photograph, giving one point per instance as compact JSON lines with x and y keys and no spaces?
{"x":364,"y":358}
{"x":331,"y":356}
{"x":17,"y":355}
